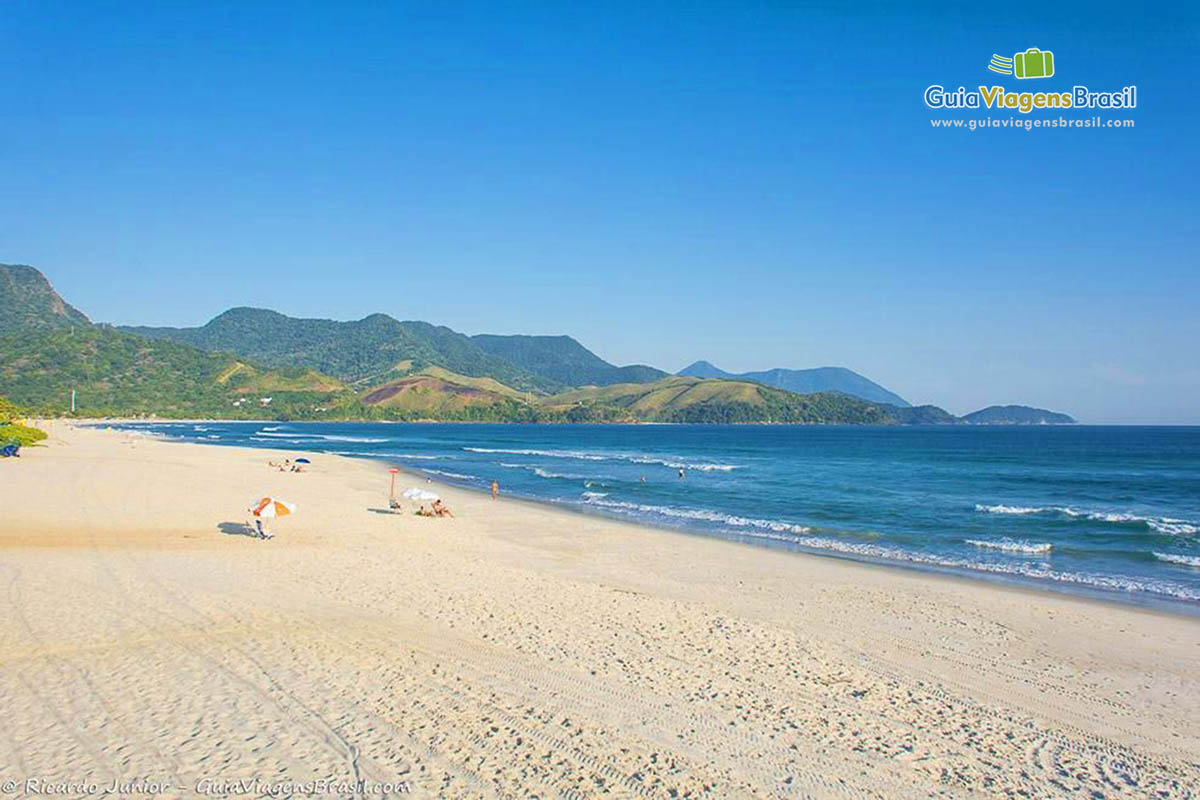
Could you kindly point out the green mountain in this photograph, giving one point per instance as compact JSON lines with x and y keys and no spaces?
{"x":28,"y":302}
{"x":116,"y":373}
{"x":1017,"y":415}
{"x":686,"y":399}
{"x":363,"y":352}
{"x":436,"y":393}
{"x":920,"y":415}
{"x":804,"y":381}
{"x":563,"y":361}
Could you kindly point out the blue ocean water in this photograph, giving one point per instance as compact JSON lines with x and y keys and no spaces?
{"x":1113,"y":510}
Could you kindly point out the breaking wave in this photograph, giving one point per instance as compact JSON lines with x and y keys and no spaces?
{"x":1011,"y":545}
{"x":702,"y":514}
{"x":455,"y":475}
{"x":1175,"y":558}
{"x":544,"y":473}
{"x":631,"y":458}
{"x":1168,"y":525}
{"x":1023,"y":569}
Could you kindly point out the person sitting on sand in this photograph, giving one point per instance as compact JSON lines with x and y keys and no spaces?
{"x":424,"y":512}
{"x":441,"y":509}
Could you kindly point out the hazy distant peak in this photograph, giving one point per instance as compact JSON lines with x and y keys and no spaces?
{"x":805,"y":381}
{"x":704,"y":369}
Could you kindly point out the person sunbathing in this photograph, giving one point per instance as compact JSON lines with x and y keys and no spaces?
{"x":424,"y":512}
{"x":441,"y":509}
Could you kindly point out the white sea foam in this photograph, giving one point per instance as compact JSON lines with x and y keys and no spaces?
{"x":674,"y":462}
{"x":1174,"y":527}
{"x":456,"y":475}
{"x":544,"y":473}
{"x":1012,"y":545}
{"x":1168,"y":525}
{"x":798,"y":535}
{"x":1011,"y":509}
{"x":326,"y":437}
{"x":287,"y":434}
{"x":593,"y":496}
{"x":1175,"y":558}
{"x":1025,"y":569}
{"x":406,"y":456}
{"x":703,"y":514}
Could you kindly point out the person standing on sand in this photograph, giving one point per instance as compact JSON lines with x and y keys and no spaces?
{"x":495,"y":489}
{"x":260,"y":528}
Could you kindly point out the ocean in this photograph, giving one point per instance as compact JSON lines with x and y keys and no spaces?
{"x":1109,"y":511}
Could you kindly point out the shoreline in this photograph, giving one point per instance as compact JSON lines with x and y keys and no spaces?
{"x":519,"y":649}
{"x":1120,"y":597}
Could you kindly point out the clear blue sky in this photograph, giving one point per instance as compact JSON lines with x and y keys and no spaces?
{"x":757,"y":184}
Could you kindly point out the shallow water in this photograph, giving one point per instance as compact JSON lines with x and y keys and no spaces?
{"x":1110,"y":509}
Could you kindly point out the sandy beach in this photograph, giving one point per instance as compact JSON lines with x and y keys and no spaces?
{"x":519,"y":650}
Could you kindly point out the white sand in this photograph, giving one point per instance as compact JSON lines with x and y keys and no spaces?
{"x":526,"y":651}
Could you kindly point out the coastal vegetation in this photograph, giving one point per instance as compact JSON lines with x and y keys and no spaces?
{"x":12,"y":429}
{"x":115,"y":373}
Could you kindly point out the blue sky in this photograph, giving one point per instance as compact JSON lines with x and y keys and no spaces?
{"x":756,"y":184}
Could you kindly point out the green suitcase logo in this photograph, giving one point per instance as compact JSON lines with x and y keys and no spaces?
{"x":1033,"y":63}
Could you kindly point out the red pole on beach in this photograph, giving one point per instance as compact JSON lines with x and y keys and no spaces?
{"x":392,"y":488}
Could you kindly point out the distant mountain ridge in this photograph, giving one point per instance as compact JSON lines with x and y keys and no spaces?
{"x":805,"y":381}
{"x":368,"y":350}
{"x":250,"y":363}
{"x":563,"y":360}
{"x":361,"y":351}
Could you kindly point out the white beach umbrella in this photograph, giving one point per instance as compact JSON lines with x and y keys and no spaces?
{"x":420,"y":494}
{"x":273,"y":507}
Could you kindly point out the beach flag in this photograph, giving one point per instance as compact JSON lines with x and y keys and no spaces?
{"x":273,"y":507}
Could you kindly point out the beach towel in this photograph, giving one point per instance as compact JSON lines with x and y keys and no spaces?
{"x":10,"y":451}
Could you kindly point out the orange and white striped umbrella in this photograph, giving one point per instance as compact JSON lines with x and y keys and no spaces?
{"x":273,"y":507}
